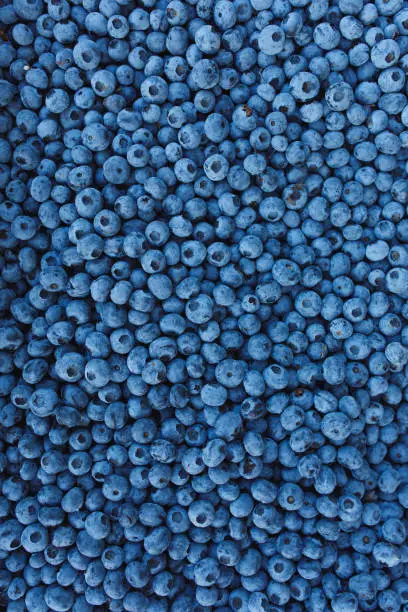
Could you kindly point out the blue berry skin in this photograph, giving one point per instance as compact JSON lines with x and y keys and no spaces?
{"x":203,"y":276}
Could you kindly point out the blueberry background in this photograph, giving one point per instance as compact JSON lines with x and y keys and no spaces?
{"x":203,"y":305}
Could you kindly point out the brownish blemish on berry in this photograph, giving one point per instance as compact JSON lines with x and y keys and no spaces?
{"x":248,"y":111}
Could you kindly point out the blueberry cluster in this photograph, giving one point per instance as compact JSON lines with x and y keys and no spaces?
{"x":203,"y":301}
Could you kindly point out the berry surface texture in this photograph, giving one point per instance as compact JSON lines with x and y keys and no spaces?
{"x":203,"y":306}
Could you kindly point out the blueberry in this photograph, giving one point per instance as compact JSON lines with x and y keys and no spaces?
{"x":271,"y":40}
{"x":203,"y":347}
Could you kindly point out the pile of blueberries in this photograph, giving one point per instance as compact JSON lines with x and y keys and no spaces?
{"x":204,"y":305}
